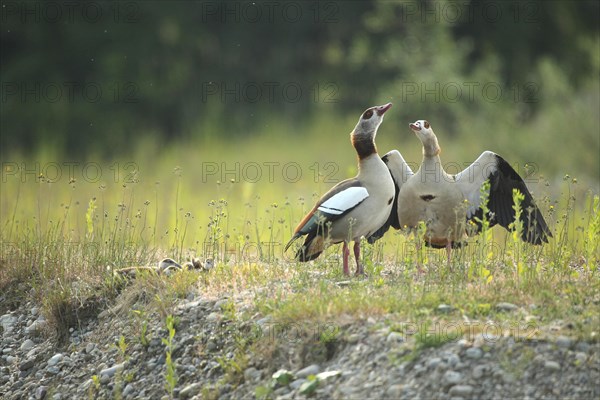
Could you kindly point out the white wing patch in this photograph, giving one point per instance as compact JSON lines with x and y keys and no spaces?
{"x":473,"y":177}
{"x":344,"y":200}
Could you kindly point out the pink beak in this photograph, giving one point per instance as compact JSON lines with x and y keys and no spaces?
{"x":382,"y":109}
{"x":414,"y":127}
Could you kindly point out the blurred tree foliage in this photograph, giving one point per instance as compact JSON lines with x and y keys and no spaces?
{"x":96,"y":76}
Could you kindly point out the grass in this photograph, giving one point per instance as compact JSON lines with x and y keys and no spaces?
{"x":63,"y":239}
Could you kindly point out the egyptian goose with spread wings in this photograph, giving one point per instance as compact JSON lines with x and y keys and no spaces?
{"x":437,"y":198}
{"x":355,"y":207}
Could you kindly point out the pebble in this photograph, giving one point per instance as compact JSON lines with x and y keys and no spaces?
{"x":506,"y":306}
{"x":474,"y":353}
{"x":27,"y":364}
{"x":445,"y":308}
{"x":252,"y":374}
{"x":27,"y":345}
{"x":461,"y":390}
{"x":313,"y":369}
{"x":564,"y":342}
{"x":190,"y":390}
{"x":40,"y":392}
{"x":297,"y":383}
{"x":129,"y":389}
{"x":55,"y":359}
{"x":112,"y":370}
{"x":452,"y":377}
{"x":395,"y":337}
{"x":552,"y":365}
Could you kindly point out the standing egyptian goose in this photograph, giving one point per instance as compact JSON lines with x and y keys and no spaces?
{"x":355,"y":207}
{"x":437,"y":198}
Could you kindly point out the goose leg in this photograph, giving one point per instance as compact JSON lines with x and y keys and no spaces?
{"x":346,"y":253}
{"x":448,"y":252}
{"x":420,"y":269}
{"x":359,"y":267}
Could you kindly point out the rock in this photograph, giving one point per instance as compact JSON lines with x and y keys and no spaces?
{"x":297,"y":383}
{"x":506,"y":307}
{"x":55,"y":359}
{"x":128,"y":390}
{"x":445,"y":308}
{"x":552,"y":366}
{"x":394,"y":391}
{"x":433,"y":362}
{"x":27,"y":364}
{"x":252,"y":374}
{"x":40,"y":392}
{"x":452,"y":377}
{"x":35,"y":311}
{"x":479,"y":371}
{"x":7,"y":321}
{"x":310,"y":370}
{"x":461,"y":390}
{"x":213,"y":317}
{"x":27,"y":345}
{"x":190,"y":390}
{"x":89,"y":348}
{"x":474,"y":353}
{"x":395,"y":337}
{"x":353,"y":338}
{"x":112,"y":370}
{"x":580,"y":357}
{"x":564,"y":342}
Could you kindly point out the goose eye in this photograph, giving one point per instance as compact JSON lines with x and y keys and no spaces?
{"x":426,"y":124}
{"x":368,"y":114}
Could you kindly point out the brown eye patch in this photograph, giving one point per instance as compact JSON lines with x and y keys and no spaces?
{"x":426,"y":124}
{"x":368,"y":114}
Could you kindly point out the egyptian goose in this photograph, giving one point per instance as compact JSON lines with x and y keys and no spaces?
{"x":355,"y":207}
{"x":448,"y":203}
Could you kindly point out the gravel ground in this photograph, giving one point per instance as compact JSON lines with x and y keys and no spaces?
{"x":363,"y":360}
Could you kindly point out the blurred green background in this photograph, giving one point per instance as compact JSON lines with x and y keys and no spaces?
{"x":142,"y":89}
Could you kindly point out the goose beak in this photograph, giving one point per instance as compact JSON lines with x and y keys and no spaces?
{"x":382,"y":109}
{"x":414,"y":127}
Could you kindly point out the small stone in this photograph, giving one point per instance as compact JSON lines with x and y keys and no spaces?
{"x":213,"y":317}
{"x":112,"y":370}
{"x":313,"y":369}
{"x":40,"y":393}
{"x":474,"y":353}
{"x":35,"y":311}
{"x":252,"y":374}
{"x":394,"y":391}
{"x":190,"y":390}
{"x":395,"y":337}
{"x":55,"y":359}
{"x":580,"y":357}
{"x":353,"y":338}
{"x":479,"y":371}
{"x":452,"y":377}
{"x":445,"y":308}
{"x":564,"y":342}
{"x":221,"y":304}
{"x":582,"y":346}
{"x":297,"y":383}
{"x":27,"y":345}
{"x":10,"y":359}
{"x":433,"y":362}
{"x":506,"y":306}
{"x":53,"y":370}
{"x":27,"y":364}
{"x":128,"y":389}
{"x":89,"y":348}
{"x":453,"y":360}
{"x":552,"y":365}
{"x":461,"y":390}
{"x":104,"y":379}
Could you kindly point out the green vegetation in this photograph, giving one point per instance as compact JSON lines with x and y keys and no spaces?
{"x":91,"y":187}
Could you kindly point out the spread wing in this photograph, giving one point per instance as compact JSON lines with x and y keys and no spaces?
{"x":503,"y":179}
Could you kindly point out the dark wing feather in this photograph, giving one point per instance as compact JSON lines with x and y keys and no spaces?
{"x":500,"y":204}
